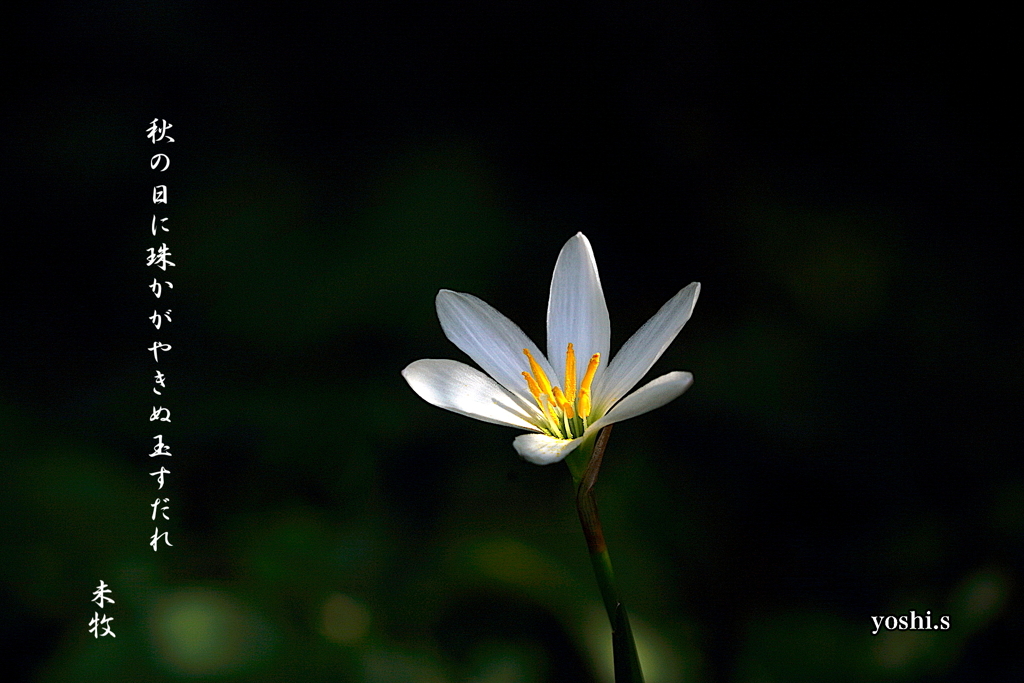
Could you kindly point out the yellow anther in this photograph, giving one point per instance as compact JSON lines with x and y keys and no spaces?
{"x":563,"y":402}
{"x":538,"y":374}
{"x":570,"y":374}
{"x":588,"y":377}
{"x":531,"y":383}
{"x":584,"y":403}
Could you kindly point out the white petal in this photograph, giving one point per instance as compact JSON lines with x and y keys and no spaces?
{"x":541,"y":449}
{"x":654,"y":394}
{"x":493,"y":341}
{"x":640,"y":352}
{"x":577,"y":312}
{"x":461,"y":389}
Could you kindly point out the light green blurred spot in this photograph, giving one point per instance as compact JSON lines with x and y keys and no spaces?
{"x":344,"y":620}
{"x":200,"y":632}
{"x":514,"y":562}
{"x":979,"y":599}
{"x":896,"y":651}
{"x":508,"y":662}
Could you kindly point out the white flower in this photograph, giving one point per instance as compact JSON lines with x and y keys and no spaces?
{"x":526,"y":389}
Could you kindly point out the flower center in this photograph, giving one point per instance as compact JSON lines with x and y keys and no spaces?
{"x":567,"y":412}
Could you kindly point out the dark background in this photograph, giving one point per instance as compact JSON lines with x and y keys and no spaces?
{"x":837,"y":176}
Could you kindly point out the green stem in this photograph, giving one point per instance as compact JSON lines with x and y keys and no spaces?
{"x":627,"y":664}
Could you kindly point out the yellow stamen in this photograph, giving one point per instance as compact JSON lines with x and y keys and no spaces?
{"x":563,"y":402}
{"x":570,"y":374}
{"x":531,"y":383}
{"x":588,"y":379}
{"x":584,"y":403}
{"x":538,"y":373}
